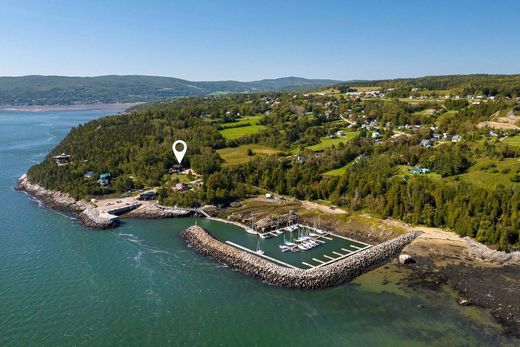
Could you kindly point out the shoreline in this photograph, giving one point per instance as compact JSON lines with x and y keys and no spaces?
{"x":90,"y":215}
{"x":76,"y":107}
{"x":481,"y":276}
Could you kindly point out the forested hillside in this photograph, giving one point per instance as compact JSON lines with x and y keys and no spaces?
{"x":60,"y":90}
{"x":443,"y":162}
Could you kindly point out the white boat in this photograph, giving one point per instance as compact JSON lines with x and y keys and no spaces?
{"x":284,"y":248}
{"x":258,"y":250}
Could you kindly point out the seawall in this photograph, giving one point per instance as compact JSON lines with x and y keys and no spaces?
{"x":333,"y":274}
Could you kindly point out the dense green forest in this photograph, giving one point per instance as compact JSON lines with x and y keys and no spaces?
{"x":60,"y":90}
{"x":353,"y":152}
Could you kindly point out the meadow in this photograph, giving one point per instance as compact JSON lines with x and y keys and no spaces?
{"x":244,"y":126}
{"x":238,"y":155}
{"x":327,"y":142}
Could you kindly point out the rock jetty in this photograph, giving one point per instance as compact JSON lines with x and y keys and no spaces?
{"x":336,"y":273}
{"x":88,"y":215}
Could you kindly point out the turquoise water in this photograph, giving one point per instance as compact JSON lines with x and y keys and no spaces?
{"x":62,"y":284}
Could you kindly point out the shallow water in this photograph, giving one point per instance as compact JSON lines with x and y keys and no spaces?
{"x":62,"y":284}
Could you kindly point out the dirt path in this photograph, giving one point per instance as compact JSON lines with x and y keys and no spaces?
{"x":309,"y":205}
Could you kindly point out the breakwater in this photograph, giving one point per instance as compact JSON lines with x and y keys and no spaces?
{"x":336,"y":273}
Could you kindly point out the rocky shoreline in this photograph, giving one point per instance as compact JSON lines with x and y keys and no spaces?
{"x":330,"y":275}
{"x":88,"y":215}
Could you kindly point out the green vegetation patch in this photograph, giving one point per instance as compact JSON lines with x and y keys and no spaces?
{"x":328,"y":142}
{"x":243,"y":127}
{"x":491,"y":172}
{"x":239,"y":155}
{"x":512,"y":141}
{"x":336,"y":172}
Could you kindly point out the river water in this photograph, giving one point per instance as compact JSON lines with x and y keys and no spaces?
{"x":62,"y":284}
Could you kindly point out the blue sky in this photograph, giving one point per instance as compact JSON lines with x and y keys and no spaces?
{"x":249,"y":40}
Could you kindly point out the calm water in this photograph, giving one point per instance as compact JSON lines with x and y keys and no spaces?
{"x":61,"y":284}
{"x":271,"y":246}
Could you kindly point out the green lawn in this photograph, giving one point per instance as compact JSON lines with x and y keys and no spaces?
{"x":327,"y":142}
{"x":234,"y":130}
{"x":484,"y":173}
{"x":238,"y":155}
{"x":512,"y":141}
{"x":336,"y":172}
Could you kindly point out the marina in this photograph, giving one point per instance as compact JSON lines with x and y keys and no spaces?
{"x":295,"y":246}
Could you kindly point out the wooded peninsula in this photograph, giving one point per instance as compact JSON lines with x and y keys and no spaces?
{"x":438,"y":151}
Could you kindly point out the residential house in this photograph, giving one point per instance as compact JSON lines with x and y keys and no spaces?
{"x":426,"y":143}
{"x":181,"y":187}
{"x":456,"y":138}
{"x":419,"y":171}
{"x":151,"y":195}
{"x":104,"y":179}
{"x":62,"y":159}
{"x":89,"y":174}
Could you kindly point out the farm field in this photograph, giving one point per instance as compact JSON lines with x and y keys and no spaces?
{"x":238,"y":155}
{"x":243,"y":127}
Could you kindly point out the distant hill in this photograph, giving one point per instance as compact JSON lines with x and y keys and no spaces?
{"x":60,"y":90}
{"x":485,"y":84}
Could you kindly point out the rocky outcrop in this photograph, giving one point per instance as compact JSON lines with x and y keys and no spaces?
{"x":406,"y":259}
{"x":89,"y":216}
{"x":339,"y":272}
{"x":156,"y":211}
{"x":50,"y":198}
{"x":484,"y":253}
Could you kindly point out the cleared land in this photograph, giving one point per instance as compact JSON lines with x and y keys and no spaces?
{"x":491,"y":172}
{"x":244,"y":126}
{"x":512,"y":141}
{"x":327,"y":142}
{"x":238,"y":155}
{"x":336,"y":172}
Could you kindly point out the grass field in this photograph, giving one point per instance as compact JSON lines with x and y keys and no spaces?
{"x":512,"y":141}
{"x":235,"y":130}
{"x":336,"y":172}
{"x":491,"y":172}
{"x":327,"y":142}
{"x":238,"y":155}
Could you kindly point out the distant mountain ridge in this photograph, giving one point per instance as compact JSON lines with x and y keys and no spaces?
{"x":62,"y":90}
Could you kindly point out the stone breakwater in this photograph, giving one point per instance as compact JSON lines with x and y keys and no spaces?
{"x":88,"y":215}
{"x":334,"y":274}
{"x":156,"y":211}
